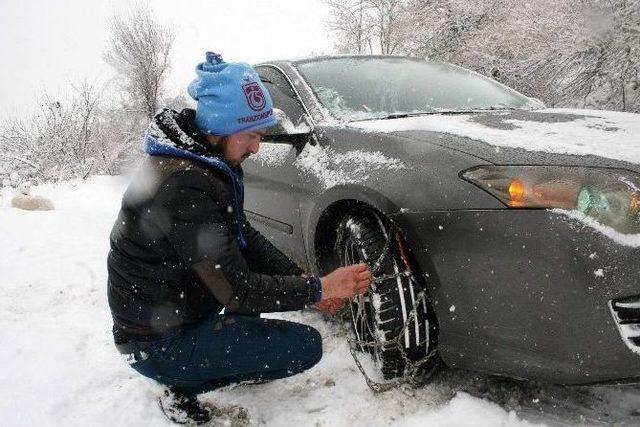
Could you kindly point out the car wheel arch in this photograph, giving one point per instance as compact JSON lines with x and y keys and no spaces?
{"x":321,"y":220}
{"x":327,"y":213}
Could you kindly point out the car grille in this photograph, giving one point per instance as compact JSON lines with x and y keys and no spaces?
{"x":626,"y":313}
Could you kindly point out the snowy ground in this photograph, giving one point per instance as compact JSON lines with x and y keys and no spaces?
{"x":59,"y":366}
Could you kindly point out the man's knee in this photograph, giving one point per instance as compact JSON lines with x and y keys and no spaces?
{"x":309,"y":346}
{"x":316,"y":339}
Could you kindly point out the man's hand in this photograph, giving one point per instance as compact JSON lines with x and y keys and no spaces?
{"x":346,"y":282}
{"x":331,"y":306}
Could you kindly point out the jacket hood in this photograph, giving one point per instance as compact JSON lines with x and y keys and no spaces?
{"x":178,"y":129}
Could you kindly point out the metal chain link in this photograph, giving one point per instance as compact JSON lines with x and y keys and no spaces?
{"x":411,"y":370}
{"x":412,"y":373}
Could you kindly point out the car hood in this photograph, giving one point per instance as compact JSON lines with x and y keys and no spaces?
{"x":548,"y":136}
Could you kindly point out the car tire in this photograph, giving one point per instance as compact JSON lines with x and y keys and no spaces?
{"x":363,"y":235}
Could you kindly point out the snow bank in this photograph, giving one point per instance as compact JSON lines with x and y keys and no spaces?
{"x":609,"y":134}
{"x":464,"y":411}
{"x":59,"y":367}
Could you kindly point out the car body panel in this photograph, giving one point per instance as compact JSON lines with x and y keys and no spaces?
{"x":280,"y":212}
{"x":525,"y":293}
{"x":295,"y":190}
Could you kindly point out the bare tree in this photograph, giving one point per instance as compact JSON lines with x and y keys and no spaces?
{"x":351,"y":25}
{"x":371,"y":26}
{"x":139,"y":51}
{"x":393,"y":24}
{"x":81,"y":136}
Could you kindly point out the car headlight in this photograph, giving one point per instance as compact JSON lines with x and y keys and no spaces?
{"x":610,"y":196}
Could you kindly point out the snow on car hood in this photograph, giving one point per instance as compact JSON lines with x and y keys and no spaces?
{"x":608,"y":134}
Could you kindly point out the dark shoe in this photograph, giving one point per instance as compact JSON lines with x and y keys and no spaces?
{"x":183,"y":408}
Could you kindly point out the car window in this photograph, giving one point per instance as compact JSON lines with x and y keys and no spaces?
{"x":282,"y":95}
{"x":354,"y":88}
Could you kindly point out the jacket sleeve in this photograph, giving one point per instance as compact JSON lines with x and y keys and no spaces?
{"x":263,"y":257}
{"x":191,"y":214}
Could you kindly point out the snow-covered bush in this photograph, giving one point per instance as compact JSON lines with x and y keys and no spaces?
{"x":68,"y":140}
{"x":86,"y":135}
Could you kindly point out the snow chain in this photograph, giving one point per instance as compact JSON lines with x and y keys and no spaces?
{"x":412,"y":373}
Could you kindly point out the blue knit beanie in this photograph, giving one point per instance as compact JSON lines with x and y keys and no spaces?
{"x":231,"y":98}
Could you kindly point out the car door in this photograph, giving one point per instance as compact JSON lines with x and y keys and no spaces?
{"x":272,"y":190}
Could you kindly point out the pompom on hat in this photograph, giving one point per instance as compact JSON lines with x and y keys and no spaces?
{"x":231,"y":98}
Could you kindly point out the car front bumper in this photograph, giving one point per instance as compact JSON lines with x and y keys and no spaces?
{"x":526,"y":293}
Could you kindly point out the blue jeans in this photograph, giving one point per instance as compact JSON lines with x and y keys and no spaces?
{"x":225,"y":349}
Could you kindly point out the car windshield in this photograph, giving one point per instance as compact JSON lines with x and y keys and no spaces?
{"x":361,"y":88}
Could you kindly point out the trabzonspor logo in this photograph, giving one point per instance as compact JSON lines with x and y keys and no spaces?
{"x":255,"y":97}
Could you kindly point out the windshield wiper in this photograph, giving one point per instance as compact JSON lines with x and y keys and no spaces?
{"x":423,"y":113}
{"x":497,"y":107}
{"x":401,"y":115}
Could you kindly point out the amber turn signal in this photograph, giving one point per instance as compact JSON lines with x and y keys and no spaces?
{"x":634,"y":205}
{"x":516,"y":191}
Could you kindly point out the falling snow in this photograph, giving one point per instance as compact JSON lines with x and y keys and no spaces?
{"x":82,"y":380}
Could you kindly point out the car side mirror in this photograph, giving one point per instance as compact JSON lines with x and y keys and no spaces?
{"x":285,"y":127}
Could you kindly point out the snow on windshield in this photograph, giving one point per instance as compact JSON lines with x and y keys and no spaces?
{"x":608,"y":134}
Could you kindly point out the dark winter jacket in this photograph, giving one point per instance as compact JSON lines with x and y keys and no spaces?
{"x":176,"y":246}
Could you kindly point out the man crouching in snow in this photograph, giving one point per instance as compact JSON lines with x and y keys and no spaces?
{"x":182,"y":250}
